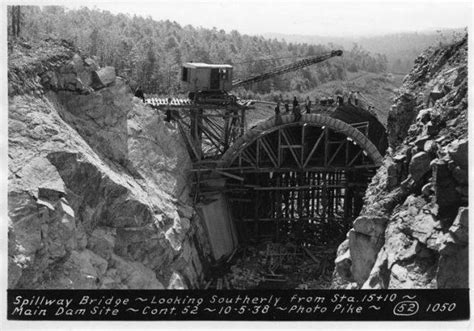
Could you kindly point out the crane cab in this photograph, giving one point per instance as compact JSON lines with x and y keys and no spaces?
{"x":203,"y":77}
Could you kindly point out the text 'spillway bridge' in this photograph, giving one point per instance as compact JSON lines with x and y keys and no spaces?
{"x":283,"y":180}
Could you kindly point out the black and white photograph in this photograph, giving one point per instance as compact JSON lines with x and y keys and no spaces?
{"x":235,"y":161}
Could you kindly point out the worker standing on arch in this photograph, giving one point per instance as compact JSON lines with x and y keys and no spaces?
{"x":297,"y":113}
{"x":295,"y":103}
{"x":278,"y":119}
{"x":356,"y":98}
{"x":349,"y":100}
{"x":308,"y":106}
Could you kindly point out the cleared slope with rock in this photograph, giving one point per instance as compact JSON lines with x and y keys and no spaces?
{"x":413,"y":229}
{"x":97,"y":188}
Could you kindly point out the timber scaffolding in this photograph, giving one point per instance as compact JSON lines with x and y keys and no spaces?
{"x":284,"y":180}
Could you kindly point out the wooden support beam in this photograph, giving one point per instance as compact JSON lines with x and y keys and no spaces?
{"x":242,"y":122}
{"x":355,"y":158}
{"x":212,"y":127}
{"x":258,"y":152}
{"x":268,"y":219}
{"x":220,"y":116}
{"x":336,"y":152}
{"x":303,"y":129}
{"x":226,"y":133}
{"x":314,"y":148}
{"x":214,"y":140}
{"x":285,"y":137}
{"x":269,"y":151}
{"x":279,"y":147}
{"x":249,"y":158}
{"x":239,"y":199}
{"x":296,"y":188}
{"x":223,"y":173}
{"x":326,"y":146}
{"x":346,"y":158}
{"x":252,"y":169}
{"x":215,"y":125}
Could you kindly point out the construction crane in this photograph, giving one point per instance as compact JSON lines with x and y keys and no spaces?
{"x":210,"y":83}
{"x":213,"y":117}
{"x":286,"y":68}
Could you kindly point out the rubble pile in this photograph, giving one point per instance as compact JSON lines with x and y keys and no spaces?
{"x":412,"y":231}
{"x":275,"y":265}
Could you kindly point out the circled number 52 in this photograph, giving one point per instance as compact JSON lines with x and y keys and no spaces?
{"x":406,"y":308}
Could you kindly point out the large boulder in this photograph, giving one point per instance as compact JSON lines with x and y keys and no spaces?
{"x":103,"y":77}
{"x":460,"y":227}
{"x":419,"y":165}
{"x":458,"y":152}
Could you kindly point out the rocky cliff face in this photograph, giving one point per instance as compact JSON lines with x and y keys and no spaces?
{"x":97,"y":181}
{"x":413,"y":229}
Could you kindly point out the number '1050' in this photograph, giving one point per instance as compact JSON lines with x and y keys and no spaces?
{"x":437,"y":307}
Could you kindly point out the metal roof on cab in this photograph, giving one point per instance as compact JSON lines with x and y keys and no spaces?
{"x":206,"y":65}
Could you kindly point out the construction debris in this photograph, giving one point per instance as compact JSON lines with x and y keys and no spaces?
{"x":276,"y":265}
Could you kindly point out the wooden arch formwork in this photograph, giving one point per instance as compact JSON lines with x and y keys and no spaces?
{"x":299,"y":181}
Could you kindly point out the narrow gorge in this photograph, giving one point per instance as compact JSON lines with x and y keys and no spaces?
{"x":99,"y":193}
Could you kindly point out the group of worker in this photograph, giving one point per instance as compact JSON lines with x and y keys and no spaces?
{"x":352,"y":98}
{"x":296,"y":109}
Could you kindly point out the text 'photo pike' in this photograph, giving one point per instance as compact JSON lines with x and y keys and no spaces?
{"x":302,"y":161}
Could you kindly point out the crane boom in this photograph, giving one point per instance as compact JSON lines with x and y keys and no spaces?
{"x":286,"y":68}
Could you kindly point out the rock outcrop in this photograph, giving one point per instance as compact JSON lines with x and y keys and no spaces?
{"x":97,"y":181}
{"x":413,"y":229}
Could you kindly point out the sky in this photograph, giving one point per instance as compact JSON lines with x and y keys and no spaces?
{"x":304,"y":17}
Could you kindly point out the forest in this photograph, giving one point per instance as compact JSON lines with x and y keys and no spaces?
{"x":149,"y":53}
{"x":400,"y":48}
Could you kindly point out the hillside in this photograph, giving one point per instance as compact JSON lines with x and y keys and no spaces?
{"x":413,"y":229}
{"x":149,"y":53}
{"x":401,"y":49}
{"x":86,"y":208}
{"x":102,"y":192}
